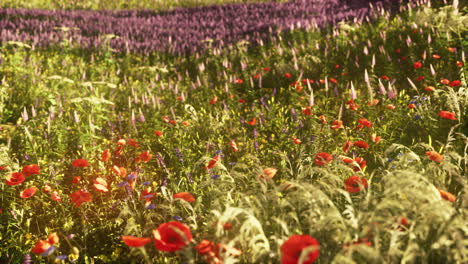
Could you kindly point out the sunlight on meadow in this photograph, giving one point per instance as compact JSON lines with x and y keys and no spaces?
{"x":307,"y":131}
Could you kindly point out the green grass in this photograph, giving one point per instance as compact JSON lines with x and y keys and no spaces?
{"x":62,"y":103}
{"x":159,"y":5}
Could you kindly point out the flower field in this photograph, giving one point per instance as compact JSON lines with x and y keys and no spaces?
{"x":302,"y":132}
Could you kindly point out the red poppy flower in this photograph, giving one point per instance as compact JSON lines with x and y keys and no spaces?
{"x":165,"y":119}
{"x":354,"y":183}
{"x":233,"y":145}
{"x":184,"y":196}
{"x":444,"y":81}
{"x":76,"y":179}
{"x":348,"y":144}
{"x":158,"y":133}
{"x":100,"y":185}
{"x":147,"y":194}
{"x":213,"y":162}
{"x":455,"y":83}
{"x":80,"y":197}
{"x":390,"y":106}
{"x":266,"y":69}
{"x":459,"y":64}
{"x":337,"y":124}
{"x":417,"y":65}
{"x":144,"y":156}
{"x":253,"y":121}
{"x":173,"y":122}
{"x":29,"y":170}
{"x":323,"y":119}
{"x":269,"y":173}
{"x":333,"y":80}
{"x":106,"y":155}
{"x":323,"y":158}
{"x":132,"y":241}
{"x":361,"y":144}
{"x":436,"y":56}
{"x":447,"y":115}
{"x":256,"y":76}
{"x":53,"y":238}
{"x":28,"y":192}
{"x":307,"y":111}
{"x":430,"y":88}
{"x":55,"y":196}
{"x":291,"y":249}
{"x":296,"y":140}
{"x":287,"y":75}
{"x":133,"y":143}
{"x":306,"y":81}
{"x":420,"y":78}
{"x":447,"y":196}
{"x":41,"y":247}
{"x":46,"y":188}
{"x":352,"y":105}
{"x":15,"y":178}
{"x":3,"y":167}
{"x":241,"y":101}
{"x":365,"y":122}
{"x":411,"y":106}
{"x":80,"y":163}
{"x":375,"y":138}
{"x":172,"y":236}
{"x":403,"y":225}
{"x":239,"y":81}
{"x":214,"y":100}
{"x":373,"y":102}
{"x":434,"y":156}
{"x":205,"y":247}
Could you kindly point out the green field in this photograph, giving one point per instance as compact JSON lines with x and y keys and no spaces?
{"x":243,"y":129}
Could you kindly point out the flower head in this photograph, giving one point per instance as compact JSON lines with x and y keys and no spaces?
{"x":354,"y":184}
{"x":172,"y":236}
{"x":296,"y":245}
{"x":15,"y":178}
{"x":28,"y":192}
{"x":322,"y":158}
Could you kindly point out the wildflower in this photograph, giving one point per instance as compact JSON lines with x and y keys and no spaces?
{"x":158,"y":133}
{"x":287,"y":75}
{"x":430,"y":88}
{"x":337,"y":124}
{"x":46,"y":188}
{"x":292,"y":249}
{"x":76,"y":179}
{"x":147,"y":194}
{"x":132,"y":241}
{"x":444,"y":81}
{"x":268,"y":173}
{"x":41,"y":247}
{"x":417,"y":65}
{"x":100,"y":185}
{"x":213,"y":162}
{"x":411,"y":106}
{"x":307,"y":111}
{"x":80,"y":197}
{"x":15,"y":178}
{"x":253,"y":121}
{"x":239,"y":81}
{"x":333,"y":80}
{"x":447,"y":115}
{"x":375,"y":138}
{"x":144,"y":156}
{"x":352,"y":105}
{"x":348,"y":144}
{"x":53,"y":238}
{"x":184,"y":196}
{"x":266,"y":69}
{"x":3,"y":167}
{"x":122,"y":142}
{"x":55,"y":196}
{"x":455,"y":83}
{"x":172,"y":236}
{"x":214,"y":100}
{"x":241,"y":101}
{"x":296,"y":140}
{"x":28,"y":192}
{"x":459,"y":64}
{"x":106,"y":155}
{"x":361,"y":144}
{"x":447,"y":196}
{"x":365,"y":122}
{"x":420,"y":78}
{"x":323,"y":119}
{"x":165,"y":119}
{"x":354,"y":183}
{"x":233,"y":145}
{"x":373,"y":102}
{"x":29,"y":170}
{"x":434,"y":156}
{"x":80,"y":163}
{"x":133,"y":143}
{"x":436,"y":56}
{"x":385,"y":77}
{"x":322,"y":158}
{"x":403,"y":224}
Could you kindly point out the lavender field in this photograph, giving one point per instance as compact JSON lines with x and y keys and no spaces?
{"x":287,"y":132}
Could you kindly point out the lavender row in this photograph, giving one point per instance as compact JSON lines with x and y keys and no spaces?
{"x":178,"y":31}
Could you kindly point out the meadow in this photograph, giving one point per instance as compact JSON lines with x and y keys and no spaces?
{"x":339,"y":141}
